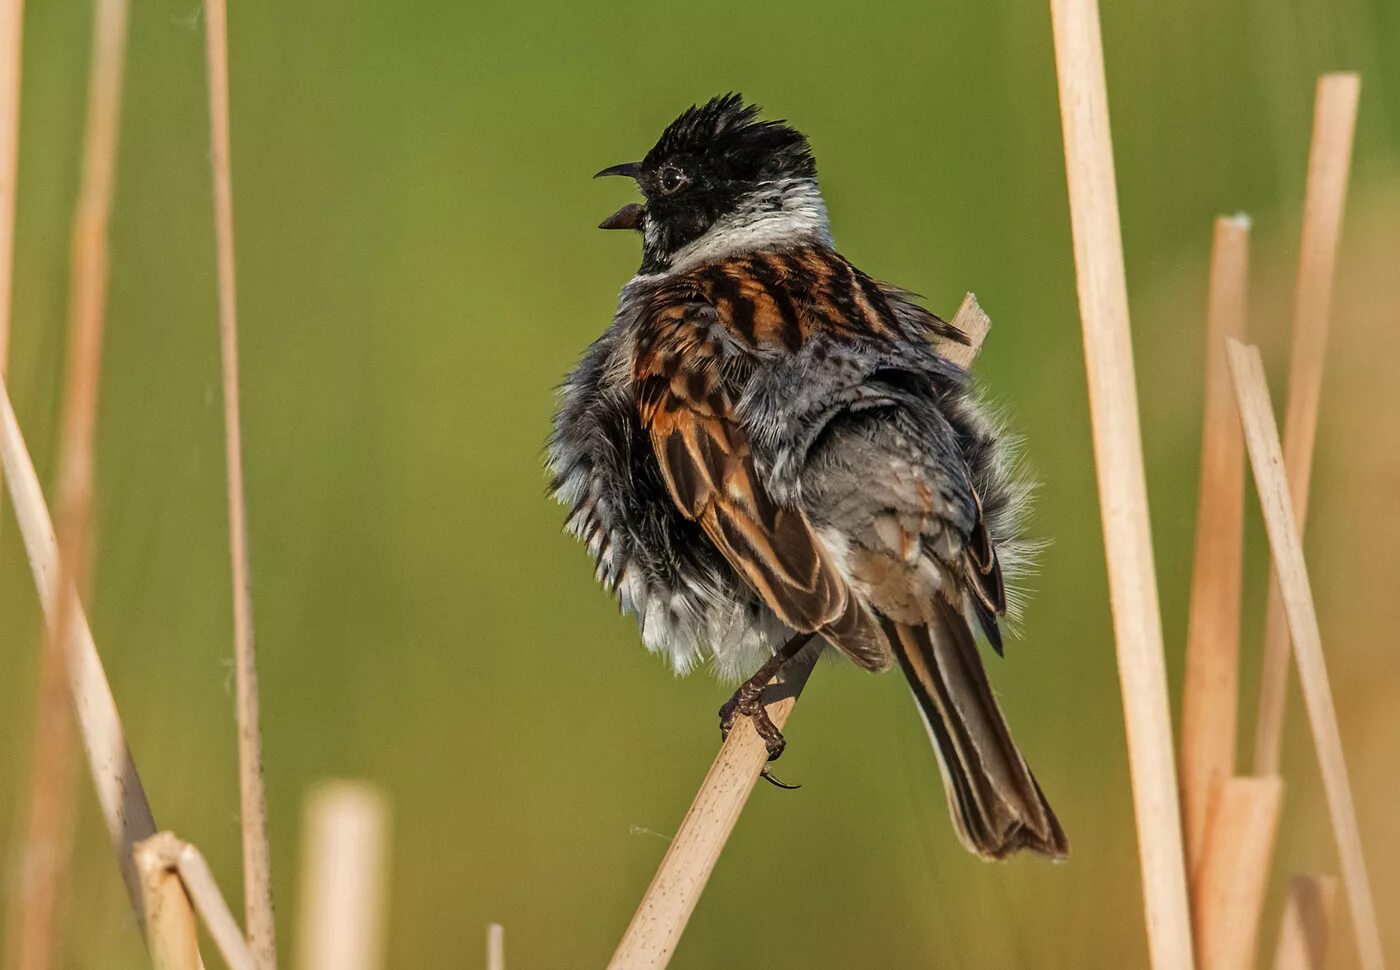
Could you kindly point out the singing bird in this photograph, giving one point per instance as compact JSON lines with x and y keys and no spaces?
{"x":765,"y":447}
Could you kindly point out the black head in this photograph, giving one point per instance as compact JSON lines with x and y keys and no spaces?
{"x":716,"y":162}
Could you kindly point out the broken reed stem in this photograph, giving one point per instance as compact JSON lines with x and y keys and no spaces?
{"x":495,"y":947}
{"x":1329,"y":163}
{"x":171,"y":934}
{"x":1285,"y":544}
{"x":665,"y":909}
{"x":125,"y":808}
{"x":1306,"y":926}
{"x":343,"y":887}
{"x":1229,"y":883}
{"x":257,"y":863}
{"x":1108,"y":356}
{"x":178,"y":883}
{"x":48,"y":837}
{"x":1209,"y":701}
{"x":974,"y":324}
{"x":203,"y":891}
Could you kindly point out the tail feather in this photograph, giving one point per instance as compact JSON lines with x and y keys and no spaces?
{"x":996,"y":804}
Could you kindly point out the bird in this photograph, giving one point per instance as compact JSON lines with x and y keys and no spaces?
{"x":764,"y":447}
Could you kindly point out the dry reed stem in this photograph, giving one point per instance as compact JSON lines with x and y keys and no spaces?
{"x":661,"y":917}
{"x":210,"y":905}
{"x":1285,"y":544}
{"x":1108,"y":356}
{"x":974,"y":324}
{"x":1307,"y":919}
{"x":1229,"y":883}
{"x":125,"y":809}
{"x":48,"y":838}
{"x":257,"y":862}
{"x":11,"y":50}
{"x":495,"y":947}
{"x":171,"y":934}
{"x":343,"y":879}
{"x":1329,"y":163}
{"x":1209,"y":701}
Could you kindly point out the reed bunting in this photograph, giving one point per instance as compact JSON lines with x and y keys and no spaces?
{"x":765,"y":447}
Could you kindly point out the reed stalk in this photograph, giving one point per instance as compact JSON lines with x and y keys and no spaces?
{"x":1132,"y":578}
{"x":48,"y":835}
{"x":257,"y":855}
{"x":1286,"y":545}
{"x":1329,"y":165}
{"x":1210,"y":695}
{"x":1307,"y":924}
{"x":345,"y":851}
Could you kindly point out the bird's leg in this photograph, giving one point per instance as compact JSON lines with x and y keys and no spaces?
{"x":748,"y":701}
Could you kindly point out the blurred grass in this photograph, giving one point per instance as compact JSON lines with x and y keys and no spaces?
{"x":418,"y":267}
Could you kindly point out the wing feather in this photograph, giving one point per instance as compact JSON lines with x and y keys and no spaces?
{"x":706,"y":460}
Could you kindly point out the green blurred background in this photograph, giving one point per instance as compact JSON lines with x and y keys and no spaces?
{"x":417,"y":268}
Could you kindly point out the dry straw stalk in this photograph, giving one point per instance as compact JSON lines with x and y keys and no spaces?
{"x":1285,"y":543}
{"x":209,"y":904}
{"x":1227,"y":895}
{"x":167,"y":864}
{"x":1307,"y":921}
{"x":661,"y":917}
{"x":48,"y":837}
{"x":343,"y":889}
{"x":1334,"y":123}
{"x":125,"y":808}
{"x":171,"y":934}
{"x":1103,"y":307}
{"x":1210,"y":695}
{"x":495,"y":947}
{"x":257,"y":856}
{"x":11,"y":48}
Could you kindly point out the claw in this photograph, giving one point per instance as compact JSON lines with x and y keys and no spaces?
{"x":775,"y":781}
{"x":727,"y":715}
{"x":748,"y":701}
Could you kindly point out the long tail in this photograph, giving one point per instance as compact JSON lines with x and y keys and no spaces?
{"x":997,"y":807}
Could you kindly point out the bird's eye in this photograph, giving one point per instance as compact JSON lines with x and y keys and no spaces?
{"x":671,"y":179}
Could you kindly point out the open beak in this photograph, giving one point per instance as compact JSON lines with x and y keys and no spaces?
{"x":630,"y":215}
{"x":630,"y":169}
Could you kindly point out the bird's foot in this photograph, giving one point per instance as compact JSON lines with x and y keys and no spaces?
{"x":747,"y":701}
